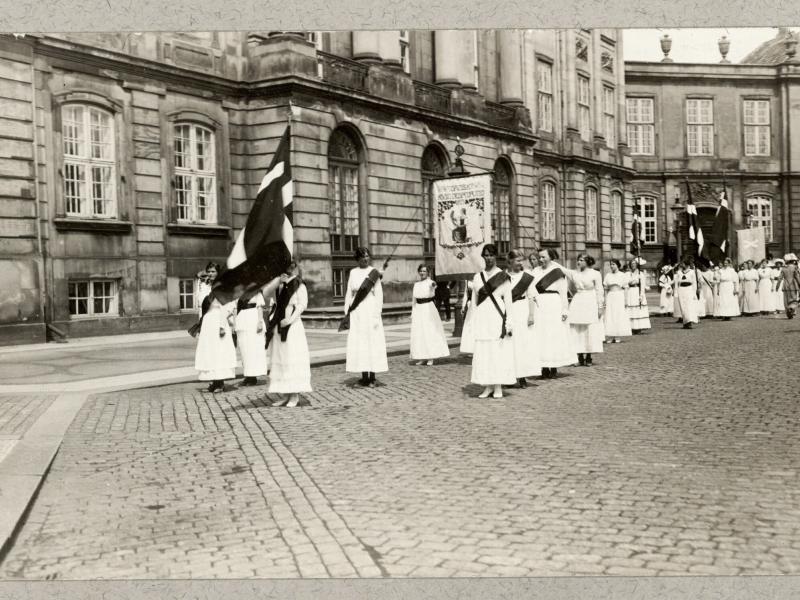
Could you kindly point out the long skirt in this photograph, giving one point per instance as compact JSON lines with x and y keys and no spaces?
{"x":728,"y":303}
{"x":667,"y":302}
{"x":585,"y":327}
{"x":707,"y":295}
{"x":778,"y":298}
{"x":366,"y":342}
{"x":615,"y":319}
{"x":638,"y":315}
{"x":254,"y":355}
{"x":525,"y":357}
{"x":467,"y":345}
{"x":687,"y":298}
{"x":290,"y":362}
{"x":701,"y":305}
{"x":751,"y":304}
{"x":551,"y":335}
{"x":766,"y":299}
{"x":493,"y":362}
{"x":215,"y":358}
{"x":428,"y":340}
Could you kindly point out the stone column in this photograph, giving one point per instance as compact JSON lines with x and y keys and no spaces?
{"x":571,"y":87}
{"x":454,"y":58}
{"x":366,"y":46}
{"x":510,"y":67}
{"x":597,"y":87}
{"x":389,"y":48}
{"x":622,"y":107}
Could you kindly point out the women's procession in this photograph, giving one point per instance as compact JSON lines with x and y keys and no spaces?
{"x":519,"y":322}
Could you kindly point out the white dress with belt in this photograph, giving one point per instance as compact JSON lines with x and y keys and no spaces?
{"x":493,"y":356}
{"x":615,"y":318}
{"x":366,"y":342}
{"x":636,"y":301}
{"x":687,"y":295}
{"x":428,"y":340}
{"x":551,"y":334}
{"x":586,"y":328}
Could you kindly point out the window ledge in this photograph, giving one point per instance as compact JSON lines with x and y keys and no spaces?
{"x":550,"y":243}
{"x":618,"y":244}
{"x":593,"y":244}
{"x":198,"y":230}
{"x":92,"y":225}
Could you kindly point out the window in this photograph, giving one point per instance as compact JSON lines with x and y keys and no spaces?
{"x":339,"y":281}
{"x":186,"y":294}
{"x":760,"y":208}
{"x":699,"y":127}
{"x":647,"y":216}
{"x":343,"y":191}
{"x":756,"y":128}
{"x":584,"y":108}
{"x":433,"y":167}
{"x":501,"y":211}
{"x":641,"y":127}
{"x":404,"y":51}
{"x":89,"y":162}
{"x":590,"y":206}
{"x":545,"y":95}
{"x":195,"y":174}
{"x":547,"y":204}
{"x":609,"y":116}
{"x":616,"y":217}
{"x":91,"y":298}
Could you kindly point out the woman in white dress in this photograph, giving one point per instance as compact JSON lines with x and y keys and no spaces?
{"x":766,"y":297}
{"x":215,"y":357}
{"x":777,"y":285}
{"x":467,"y":345}
{"x":363,"y":303}
{"x":635,"y":298}
{"x":686,"y":297}
{"x":205,"y":279}
{"x":665,"y":283}
{"x":250,"y":336}
{"x":289,"y":358}
{"x":715,"y":291}
{"x":493,"y":358}
{"x":428,"y":340}
{"x":522,"y":293}
{"x":750,"y":290}
{"x":550,"y":328}
{"x":706,"y":282}
{"x":728,"y":291}
{"x":615,"y":317}
{"x":586,"y":311}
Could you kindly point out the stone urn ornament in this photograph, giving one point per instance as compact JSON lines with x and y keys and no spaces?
{"x":724,"y":45}
{"x":666,"y":46}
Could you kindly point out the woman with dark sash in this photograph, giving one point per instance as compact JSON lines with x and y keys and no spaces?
{"x":586,"y":311}
{"x":493,"y":358}
{"x":363,"y":303}
{"x":250,"y":336}
{"x":522,"y":293}
{"x":550,"y":328}
{"x":290,"y":361}
{"x":428,"y":340}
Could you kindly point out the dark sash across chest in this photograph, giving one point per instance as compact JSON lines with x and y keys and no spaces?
{"x":518,"y":291}
{"x":549,"y":279}
{"x":491,"y":285}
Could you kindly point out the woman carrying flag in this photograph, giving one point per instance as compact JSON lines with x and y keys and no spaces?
{"x":363,"y":303}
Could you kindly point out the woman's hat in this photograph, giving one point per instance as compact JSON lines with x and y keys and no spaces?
{"x":790,"y":257}
{"x":666,"y":269}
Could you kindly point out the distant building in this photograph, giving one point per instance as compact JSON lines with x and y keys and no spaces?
{"x":736,"y":125}
{"x":127,"y":161}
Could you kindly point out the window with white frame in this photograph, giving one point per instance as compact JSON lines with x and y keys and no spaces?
{"x":756,"y":128}
{"x":92,"y":298}
{"x":340,"y":275}
{"x":544,"y":72}
{"x":195,"y":174}
{"x":760,"y":208}
{"x":647,"y":217}
{"x":584,"y":107}
{"x":610,"y":116}
{"x":343,"y":193}
{"x":641,"y":125}
{"x":405,"y":61}
{"x":186,"y":294}
{"x":699,"y":127}
{"x":501,"y":211}
{"x":590,"y":208}
{"x":616,"y":217}
{"x":547,"y":207}
{"x":89,"y":162}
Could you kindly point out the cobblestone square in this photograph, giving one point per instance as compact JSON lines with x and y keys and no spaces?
{"x":676,"y":454}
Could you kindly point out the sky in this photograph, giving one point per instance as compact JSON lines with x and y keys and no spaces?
{"x":694,"y":45}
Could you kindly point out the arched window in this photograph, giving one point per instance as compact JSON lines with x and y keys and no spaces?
{"x":89,"y":162}
{"x":760,"y":209}
{"x":501,"y":211}
{"x":344,"y":191}
{"x":590,"y":207}
{"x":616,"y":217}
{"x":547,"y":208}
{"x":195,"y":174}
{"x":434,"y":166}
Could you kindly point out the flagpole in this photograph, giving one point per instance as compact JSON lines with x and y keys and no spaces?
{"x":696,"y":256}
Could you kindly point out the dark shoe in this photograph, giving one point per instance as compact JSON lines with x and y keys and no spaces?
{"x":581,"y":360}
{"x":726,"y":318}
{"x":687,"y":326}
{"x":679,"y":321}
{"x":588,"y":361}
{"x":522,"y":382}
{"x":250,"y":381}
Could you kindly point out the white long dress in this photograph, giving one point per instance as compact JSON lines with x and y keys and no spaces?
{"x":778,"y":287}
{"x":750,"y":291}
{"x":428,"y":340}
{"x":551,"y":333}
{"x":586,"y":328}
{"x":526,"y":363}
{"x":667,"y":300}
{"x":467,"y":345}
{"x":728,"y":301}
{"x":290,"y":361}
{"x":715,"y":291}
{"x":215,"y":357}
{"x":766,"y":298}
{"x":615,"y":318}
{"x":636,"y":301}
{"x":249,"y":340}
{"x":706,"y":280}
{"x":203,"y":290}
{"x":687,"y":296}
{"x":493,"y":357}
{"x":366,"y":342}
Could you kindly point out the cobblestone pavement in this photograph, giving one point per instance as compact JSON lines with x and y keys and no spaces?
{"x":17,"y":413}
{"x":675,"y":454}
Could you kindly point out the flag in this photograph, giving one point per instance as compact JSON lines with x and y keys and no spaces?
{"x":263,"y":249}
{"x":752,"y":244}
{"x":695,"y":233}
{"x":718,"y":241}
{"x":636,"y":233}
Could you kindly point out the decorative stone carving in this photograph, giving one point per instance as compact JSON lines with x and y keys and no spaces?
{"x":607,"y":61}
{"x":581,"y":50}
